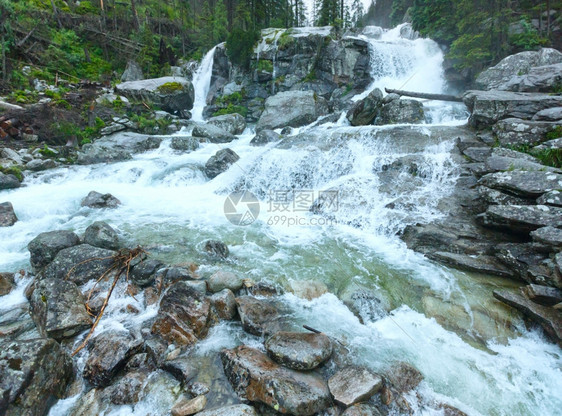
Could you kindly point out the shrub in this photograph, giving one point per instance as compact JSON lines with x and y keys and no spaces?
{"x":230,"y":109}
{"x":240,"y":46}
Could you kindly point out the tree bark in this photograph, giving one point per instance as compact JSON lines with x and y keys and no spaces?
{"x":427,"y":96}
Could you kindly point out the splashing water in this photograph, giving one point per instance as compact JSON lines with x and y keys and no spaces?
{"x":201,"y":85}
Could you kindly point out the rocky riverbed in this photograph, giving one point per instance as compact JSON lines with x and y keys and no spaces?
{"x":208,"y":317}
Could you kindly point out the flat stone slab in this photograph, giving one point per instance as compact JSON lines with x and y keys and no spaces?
{"x":522,"y":218}
{"x":548,"y":318}
{"x":354,"y":384}
{"x":543,"y":295}
{"x":527,"y":184}
{"x":553,"y":198}
{"x":479,"y":264}
{"x":299,"y":350}
{"x":548,"y":235}
{"x":258,"y":378}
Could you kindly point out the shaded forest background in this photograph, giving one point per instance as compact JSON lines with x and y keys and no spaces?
{"x":93,"y":39}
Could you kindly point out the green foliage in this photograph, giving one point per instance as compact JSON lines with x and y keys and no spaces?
{"x":234,"y":98}
{"x":555,"y":133}
{"x":23,"y":97}
{"x":170,"y":87}
{"x":151,"y":125}
{"x":285,"y":41}
{"x":530,"y":39}
{"x":240,"y":46}
{"x":550,"y":157}
{"x":12,"y":170}
{"x":64,"y":128}
{"x":231,"y":109}
{"x":311,"y":76}
{"x":265,"y":65}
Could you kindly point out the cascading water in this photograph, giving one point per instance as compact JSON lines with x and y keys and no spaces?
{"x":443,"y":322}
{"x":201,"y":85}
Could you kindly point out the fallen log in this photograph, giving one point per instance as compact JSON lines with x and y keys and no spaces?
{"x":427,"y":96}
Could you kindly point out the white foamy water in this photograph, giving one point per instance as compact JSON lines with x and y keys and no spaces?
{"x":201,"y":84}
{"x":443,"y":322}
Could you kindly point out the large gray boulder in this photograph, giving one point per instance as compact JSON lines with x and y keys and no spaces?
{"x":45,"y":246}
{"x":550,"y":114}
{"x":58,"y":309}
{"x":95,"y":199}
{"x":33,"y":375}
{"x":401,"y":111}
{"x":259,"y":317}
{"x":488,"y":107}
{"x":133,"y":72}
{"x":100,"y":234}
{"x":172,"y":94}
{"x":117,"y":147}
{"x":291,"y":109}
{"x":232,"y":123}
{"x":79,"y":264}
{"x":527,"y":184}
{"x":298,"y":350}
{"x":220,"y":162}
{"x":539,"y":79}
{"x":507,"y":75}
{"x":255,"y":376}
{"x":265,"y":136}
{"x":7,"y":215}
{"x":8,"y":181}
{"x":213,"y":133}
{"x":364,"y":111}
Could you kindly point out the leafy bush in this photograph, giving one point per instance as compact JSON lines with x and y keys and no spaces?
{"x":230,"y":109}
{"x":265,"y":65}
{"x":12,"y":170}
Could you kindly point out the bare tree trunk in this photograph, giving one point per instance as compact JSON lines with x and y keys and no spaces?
{"x":56,"y":13}
{"x":4,"y":65}
{"x":135,"y":15}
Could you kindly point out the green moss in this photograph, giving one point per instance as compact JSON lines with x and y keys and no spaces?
{"x":550,"y":157}
{"x":231,"y":109}
{"x":234,"y":98}
{"x":151,"y":125}
{"x":45,"y":151}
{"x":265,"y":65}
{"x":12,"y":170}
{"x":285,"y":41}
{"x":23,"y":97}
{"x":170,"y":87}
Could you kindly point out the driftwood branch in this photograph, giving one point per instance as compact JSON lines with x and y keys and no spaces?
{"x":439,"y":97}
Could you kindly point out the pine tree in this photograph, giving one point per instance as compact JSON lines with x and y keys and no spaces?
{"x":357,"y":12}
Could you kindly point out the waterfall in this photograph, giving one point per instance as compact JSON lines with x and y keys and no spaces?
{"x":201,"y":85}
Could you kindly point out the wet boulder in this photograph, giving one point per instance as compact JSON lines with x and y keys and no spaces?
{"x":361,"y":409}
{"x":234,"y":410}
{"x":297,"y":350}
{"x":181,"y":368}
{"x":172,"y":94}
{"x":117,"y":147}
{"x":256,"y":377}
{"x":404,"y":377}
{"x":143,"y":273}
{"x":264,"y":137}
{"x":364,"y":111}
{"x":97,"y":200}
{"x":58,"y":309}
{"x":33,"y":375}
{"x":212,"y":133}
{"x":526,"y":184}
{"x":79,"y":264}
{"x":7,"y":215}
{"x":259,"y":317}
{"x":232,"y":123}
{"x":184,"y":315}
{"x":291,"y":108}
{"x":480,"y":263}
{"x":38,"y":165}
{"x":6,"y":283}
{"x":354,"y":384}
{"x":127,"y":389}
{"x":186,"y":407}
{"x":543,"y":295}
{"x":224,"y":303}
{"x":402,"y":111}
{"x":108,"y":353}
{"x":45,"y":246}
{"x":184,"y":144}
{"x":224,"y":280}
{"x":220,"y":162}
{"x":100,"y":234}
{"x":8,"y":181}
{"x":216,"y":248}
